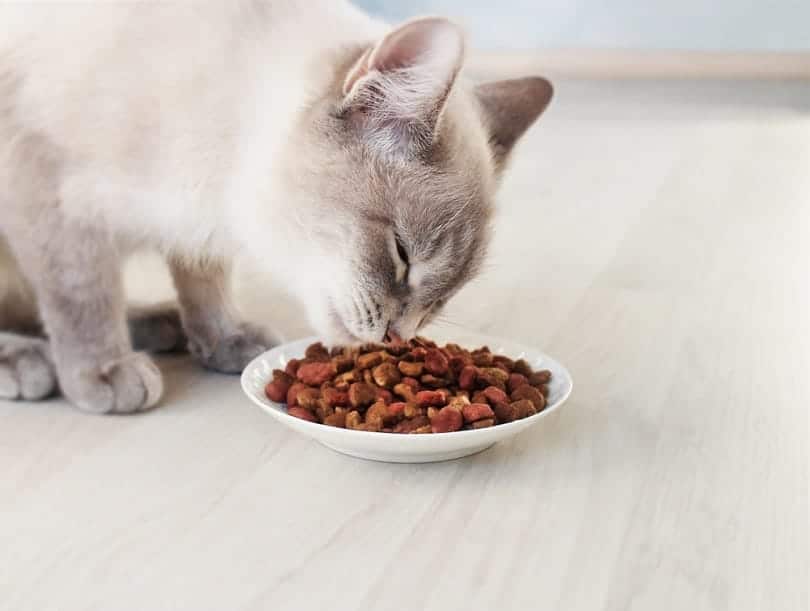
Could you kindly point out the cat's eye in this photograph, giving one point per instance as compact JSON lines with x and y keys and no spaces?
{"x":402,"y":252}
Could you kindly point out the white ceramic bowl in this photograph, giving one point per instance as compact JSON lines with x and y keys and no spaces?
{"x":390,"y":447}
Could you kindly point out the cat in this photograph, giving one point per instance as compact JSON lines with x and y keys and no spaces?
{"x":348,"y":157}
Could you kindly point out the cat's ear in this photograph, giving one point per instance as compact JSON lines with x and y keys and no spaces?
{"x":510,"y":107}
{"x":397,"y":90}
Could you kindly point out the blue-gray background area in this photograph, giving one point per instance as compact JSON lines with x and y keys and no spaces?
{"x":705,"y":25}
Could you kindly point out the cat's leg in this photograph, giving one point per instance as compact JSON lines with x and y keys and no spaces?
{"x":156,"y":328}
{"x":75,"y":273}
{"x":26,"y":368}
{"x":216,"y":337}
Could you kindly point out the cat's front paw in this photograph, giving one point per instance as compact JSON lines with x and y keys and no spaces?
{"x":232,"y":353}
{"x":26,"y":368}
{"x":129,"y":384}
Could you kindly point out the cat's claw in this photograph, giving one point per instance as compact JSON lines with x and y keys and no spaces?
{"x":26,"y":368}
{"x":232,"y":353}
{"x":129,"y":384}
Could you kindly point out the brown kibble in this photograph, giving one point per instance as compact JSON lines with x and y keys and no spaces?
{"x":292,"y":367}
{"x":501,"y":359}
{"x":495,"y":395}
{"x":378,"y":414}
{"x":405,"y":392}
{"x":515,"y":380}
{"x":397,"y":410}
{"x":446,"y":420}
{"x":362,"y":394}
{"x":335,"y":397}
{"x":477,"y":411}
{"x":384,"y":395}
{"x":317,"y":352}
{"x":539,"y":378}
{"x":481,"y":424}
{"x":436,"y":362}
{"x":413,"y":383}
{"x":278,"y":388}
{"x":432,"y":381}
{"x":303,"y":414}
{"x":482,"y":359}
{"x":544,"y":391}
{"x":458,"y":402}
{"x":523,"y":409}
{"x":479,"y":397}
{"x":368,"y":377}
{"x":308,"y":397}
{"x":338,"y":419}
{"x":353,"y":420}
{"x":412,"y":369}
{"x":418,"y":354}
{"x":532,"y":394}
{"x":315,"y":374}
{"x":343,"y":363}
{"x":387,"y":375}
{"x":504,"y":412}
{"x":367,"y":361}
{"x":493,"y":376}
{"x":292,"y":393}
{"x":522,"y":367}
{"x":426,"y":398}
{"x":468,"y":377}
{"x":412,"y":410}
{"x":412,"y":424}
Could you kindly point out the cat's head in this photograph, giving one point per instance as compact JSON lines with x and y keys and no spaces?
{"x":396,"y":175}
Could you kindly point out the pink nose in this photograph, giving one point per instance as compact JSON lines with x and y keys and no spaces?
{"x":392,"y":336}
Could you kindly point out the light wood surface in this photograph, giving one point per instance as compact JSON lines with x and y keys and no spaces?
{"x":655,"y":237}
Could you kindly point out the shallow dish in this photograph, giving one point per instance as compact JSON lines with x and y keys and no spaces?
{"x":391,"y":447}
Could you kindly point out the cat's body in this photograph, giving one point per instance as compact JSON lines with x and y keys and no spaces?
{"x":284,"y":130}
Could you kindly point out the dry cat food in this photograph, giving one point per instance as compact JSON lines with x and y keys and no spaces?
{"x":413,"y":387}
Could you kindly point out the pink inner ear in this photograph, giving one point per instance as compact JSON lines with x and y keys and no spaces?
{"x":358,"y":71}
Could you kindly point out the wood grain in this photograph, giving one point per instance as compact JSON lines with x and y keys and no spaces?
{"x":653,"y":237}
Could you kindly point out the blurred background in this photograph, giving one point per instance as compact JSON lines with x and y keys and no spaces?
{"x":695,"y":38}
{"x":714,"y":25}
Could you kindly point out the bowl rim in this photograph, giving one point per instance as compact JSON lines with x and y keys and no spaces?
{"x":280,"y":412}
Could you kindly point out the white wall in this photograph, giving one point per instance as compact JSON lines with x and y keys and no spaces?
{"x":723,"y":25}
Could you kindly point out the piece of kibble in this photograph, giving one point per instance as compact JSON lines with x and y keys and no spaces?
{"x":412,"y":369}
{"x":446,"y":420}
{"x":384,"y":395}
{"x":426,"y":398}
{"x":492,"y":376}
{"x":482,"y":359}
{"x":315,"y":374}
{"x":387,"y":375}
{"x":523,"y":409}
{"x":317,"y":352}
{"x":367,"y":361}
{"x":404,"y":391}
{"x":436,"y":362}
{"x":378,"y":414}
{"x":481,"y":424}
{"x":292,"y":393}
{"x":468,"y":377}
{"x":343,"y":363}
{"x":477,"y":411}
{"x":337,"y":419}
{"x":544,"y":391}
{"x":532,"y":394}
{"x":458,"y":402}
{"x":353,"y":419}
{"x":504,"y":412}
{"x":308,"y":397}
{"x":422,"y":430}
{"x":292,"y":367}
{"x":495,"y":395}
{"x":522,"y":367}
{"x":362,"y":394}
{"x":515,"y":380}
{"x":432,"y":381}
{"x":411,"y":424}
{"x":412,"y":410}
{"x":302,"y":413}
{"x":335,"y":397}
{"x":397,"y":410}
{"x":277,"y":389}
{"x":539,"y":378}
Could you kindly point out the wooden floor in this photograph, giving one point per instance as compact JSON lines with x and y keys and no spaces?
{"x":655,"y":237}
